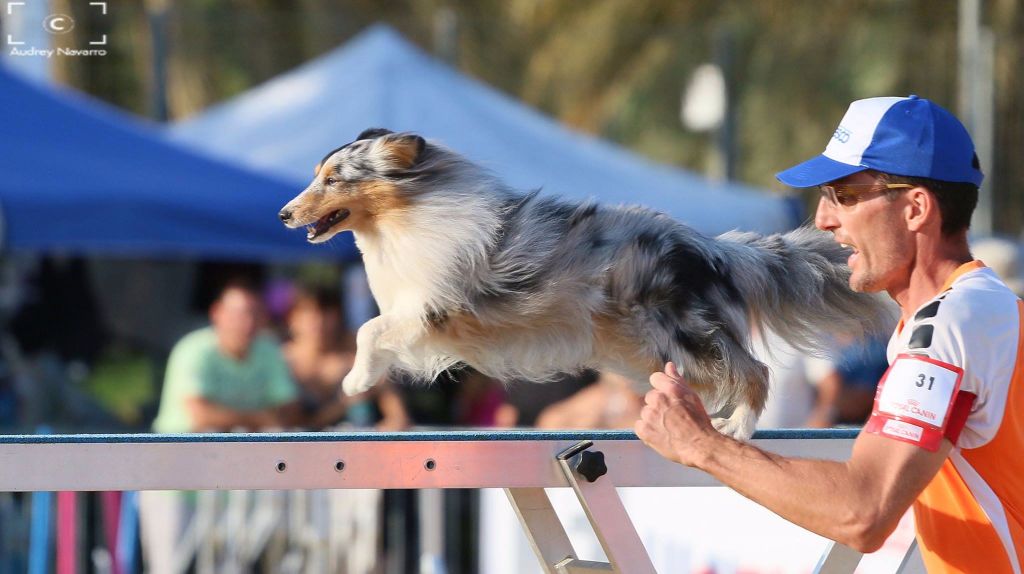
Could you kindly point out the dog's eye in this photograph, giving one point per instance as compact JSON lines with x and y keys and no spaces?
{"x":331,"y":181}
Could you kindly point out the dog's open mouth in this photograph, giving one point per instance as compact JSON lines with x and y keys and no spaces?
{"x":322,"y":225}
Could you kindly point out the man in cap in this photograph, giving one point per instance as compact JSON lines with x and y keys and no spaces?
{"x":899,"y":181}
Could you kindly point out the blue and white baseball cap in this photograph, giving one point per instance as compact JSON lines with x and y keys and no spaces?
{"x":911,"y":136}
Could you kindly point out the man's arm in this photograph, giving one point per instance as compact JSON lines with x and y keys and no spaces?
{"x":394,"y":416}
{"x":857,"y":502}
{"x":206,"y":415}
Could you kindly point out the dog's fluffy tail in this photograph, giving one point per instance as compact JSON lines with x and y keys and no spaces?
{"x":796,"y":284}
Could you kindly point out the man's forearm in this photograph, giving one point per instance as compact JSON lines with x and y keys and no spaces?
{"x":857,"y":502}
{"x":207,"y":415}
{"x":825,"y":497}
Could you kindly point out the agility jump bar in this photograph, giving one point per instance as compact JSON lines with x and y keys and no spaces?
{"x":314,"y":460}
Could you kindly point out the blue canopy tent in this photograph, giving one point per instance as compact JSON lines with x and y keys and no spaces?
{"x":379,"y":79}
{"x":78,"y":177}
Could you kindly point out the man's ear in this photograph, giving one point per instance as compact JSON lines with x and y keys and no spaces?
{"x":403,"y":150}
{"x":211,"y":313}
{"x":922,"y":209}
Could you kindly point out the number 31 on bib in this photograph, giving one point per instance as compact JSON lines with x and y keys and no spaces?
{"x":915,"y":401}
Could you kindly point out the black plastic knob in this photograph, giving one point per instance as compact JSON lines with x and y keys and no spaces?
{"x":591,"y":465}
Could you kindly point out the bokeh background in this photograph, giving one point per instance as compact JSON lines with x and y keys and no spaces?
{"x":607,"y":67}
{"x":713,"y":95}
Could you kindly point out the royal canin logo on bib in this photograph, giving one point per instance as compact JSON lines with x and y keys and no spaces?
{"x":902,"y":429}
{"x":912,"y":408}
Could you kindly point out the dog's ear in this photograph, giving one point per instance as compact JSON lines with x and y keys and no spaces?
{"x":373,"y":133}
{"x":404,"y":149}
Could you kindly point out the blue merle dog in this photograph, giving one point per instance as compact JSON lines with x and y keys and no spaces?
{"x":467,"y":270}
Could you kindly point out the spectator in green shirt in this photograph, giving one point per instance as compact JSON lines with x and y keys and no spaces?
{"x":224,"y":377}
{"x":228,"y":375}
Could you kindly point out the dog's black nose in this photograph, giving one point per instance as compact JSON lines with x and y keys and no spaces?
{"x":285,"y":215}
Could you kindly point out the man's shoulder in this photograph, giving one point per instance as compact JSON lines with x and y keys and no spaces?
{"x":977,"y":302}
{"x":199,"y":341}
{"x":977,"y":313}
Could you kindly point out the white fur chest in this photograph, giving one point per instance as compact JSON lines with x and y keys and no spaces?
{"x":425,"y":258}
{"x":408,"y":273}
{"x":397,"y":277}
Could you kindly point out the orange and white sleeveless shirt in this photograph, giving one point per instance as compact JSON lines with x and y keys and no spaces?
{"x":957,"y":371}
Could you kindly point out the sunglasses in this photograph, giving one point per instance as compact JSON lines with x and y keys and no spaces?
{"x":849,"y":194}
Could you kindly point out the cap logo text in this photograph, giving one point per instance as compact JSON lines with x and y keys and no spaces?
{"x":842,"y":134}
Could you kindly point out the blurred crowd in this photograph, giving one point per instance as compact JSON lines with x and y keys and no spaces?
{"x":256,"y":369}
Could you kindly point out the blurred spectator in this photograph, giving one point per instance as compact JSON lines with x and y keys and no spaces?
{"x":61,"y":294}
{"x":527,"y":400}
{"x":58,"y":333}
{"x":482,"y":401}
{"x":228,"y":375}
{"x":815,"y":391}
{"x":609,"y":403}
{"x":320,"y":353}
{"x":218,"y":378}
{"x":846,"y":385}
{"x":1003,"y":256}
{"x":791,"y":388}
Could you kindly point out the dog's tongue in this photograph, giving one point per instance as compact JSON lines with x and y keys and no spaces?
{"x":324,"y":223}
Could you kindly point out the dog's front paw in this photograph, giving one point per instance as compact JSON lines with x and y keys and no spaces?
{"x":357,"y":381}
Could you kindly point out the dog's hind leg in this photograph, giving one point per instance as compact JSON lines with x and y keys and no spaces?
{"x":740,"y":391}
{"x":740,"y":424}
{"x":748,"y":402}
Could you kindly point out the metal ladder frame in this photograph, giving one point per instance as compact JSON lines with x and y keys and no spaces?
{"x":585,"y":472}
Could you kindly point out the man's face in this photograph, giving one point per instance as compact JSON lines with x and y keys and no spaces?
{"x":235,"y":317}
{"x":875,"y":230}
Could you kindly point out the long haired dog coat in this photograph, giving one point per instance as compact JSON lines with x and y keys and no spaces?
{"x":466,"y":270}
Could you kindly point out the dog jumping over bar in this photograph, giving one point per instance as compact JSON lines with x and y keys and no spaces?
{"x":466,"y":270}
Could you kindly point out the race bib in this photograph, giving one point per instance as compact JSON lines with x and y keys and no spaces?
{"x":915,"y":400}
